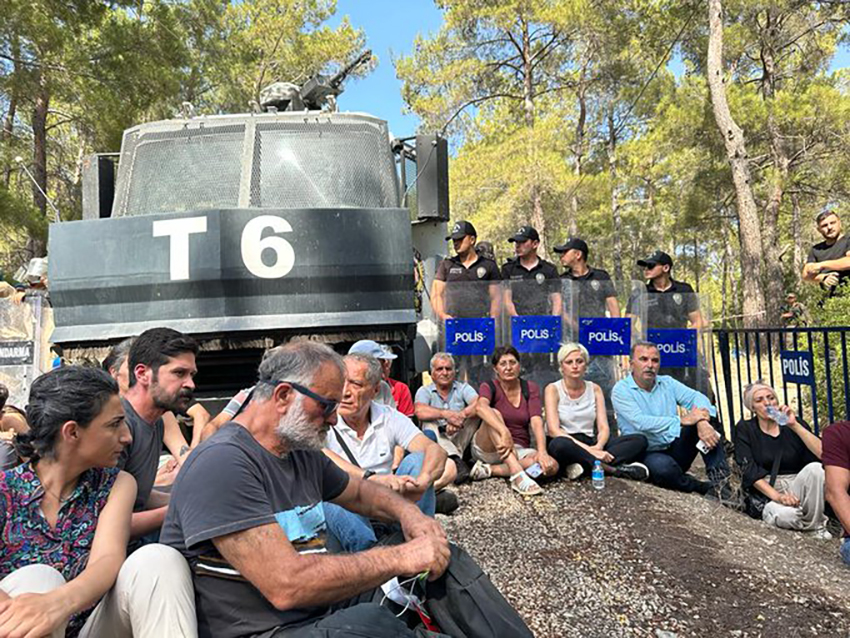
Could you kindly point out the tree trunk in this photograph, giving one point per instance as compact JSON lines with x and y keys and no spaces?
{"x":748,"y":219}
{"x":37,"y":247}
{"x":537,"y":218}
{"x":617,"y":221}
{"x":798,"y":260}
{"x":11,"y":113}
{"x":578,"y":167}
{"x":774,"y":283}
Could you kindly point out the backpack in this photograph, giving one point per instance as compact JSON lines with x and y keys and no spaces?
{"x":464,"y":603}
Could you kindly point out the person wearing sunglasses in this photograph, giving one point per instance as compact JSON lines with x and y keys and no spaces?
{"x":362,"y":443}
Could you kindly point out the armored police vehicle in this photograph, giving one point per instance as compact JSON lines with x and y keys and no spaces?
{"x":249,"y":230}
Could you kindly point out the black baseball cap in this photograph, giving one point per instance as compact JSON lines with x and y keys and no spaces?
{"x":525,"y":233}
{"x":461,"y":229}
{"x":573,"y":243}
{"x":656,"y":258}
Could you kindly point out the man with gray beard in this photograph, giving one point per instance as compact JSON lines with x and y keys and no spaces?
{"x":247,"y":512}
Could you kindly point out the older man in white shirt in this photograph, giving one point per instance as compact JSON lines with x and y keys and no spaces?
{"x":362,"y":444}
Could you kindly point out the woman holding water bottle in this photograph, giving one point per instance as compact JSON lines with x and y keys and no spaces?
{"x":578,"y":424}
{"x":779,"y":456}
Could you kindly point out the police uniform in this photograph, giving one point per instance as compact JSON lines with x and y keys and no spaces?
{"x":465,"y":298}
{"x":591,"y":294}
{"x":531,"y":298}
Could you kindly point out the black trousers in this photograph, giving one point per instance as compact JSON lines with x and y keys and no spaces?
{"x":624,"y":449}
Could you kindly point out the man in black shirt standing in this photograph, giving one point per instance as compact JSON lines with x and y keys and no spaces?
{"x":828,"y":262}
{"x":672,"y":304}
{"x":591,"y":295}
{"x":466,"y":299}
{"x":540,"y":293}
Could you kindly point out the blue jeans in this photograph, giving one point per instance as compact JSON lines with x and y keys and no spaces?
{"x":354,"y":532}
{"x":844,"y":551}
{"x":668,"y":468}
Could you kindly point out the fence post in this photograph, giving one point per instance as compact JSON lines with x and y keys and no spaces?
{"x":726,"y":365}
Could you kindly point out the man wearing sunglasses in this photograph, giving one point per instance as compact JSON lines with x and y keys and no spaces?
{"x":247,"y":512}
{"x":362,"y":443}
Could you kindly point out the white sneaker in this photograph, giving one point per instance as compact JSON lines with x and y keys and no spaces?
{"x":822,"y":534}
{"x":573,"y":471}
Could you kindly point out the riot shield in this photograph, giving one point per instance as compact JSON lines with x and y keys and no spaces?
{"x":680,"y":324}
{"x":531,"y":322}
{"x":594,"y":316}
{"x":469,"y":321}
{"x":24,"y":347}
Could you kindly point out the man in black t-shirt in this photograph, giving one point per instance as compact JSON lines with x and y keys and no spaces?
{"x":247,"y":514}
{"x":534,"y":287}
{"x":460,"y":287}
{"x":672,"y":304}
{"x":591,"y":295}
{"x":828,"y":262}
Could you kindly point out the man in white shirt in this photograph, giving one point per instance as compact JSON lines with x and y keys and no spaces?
{"x":362,"y":444}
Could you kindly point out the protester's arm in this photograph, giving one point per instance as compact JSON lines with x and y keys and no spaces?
{"x":173,"y":437}
{"x":840,"y":264}
{"x":289,"y":580}
{"x":603,"y":431}
{"x":200,"y":418}
{"x":551,"y":400}
{"x":812,"y":442}
{"x":633,"y":414}
{"x":434,"y":463}
{"x":400,"y":484}
{"x":147,"y":521}
{"x":690,"y":398}
{"x":837,"y":484}
{"x":425,"y":412}
{"x":42,"y":614}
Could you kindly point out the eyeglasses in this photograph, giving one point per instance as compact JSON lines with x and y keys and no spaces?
{"x":328,"y":405}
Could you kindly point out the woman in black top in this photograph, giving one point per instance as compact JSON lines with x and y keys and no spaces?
{"x":794,"y":499}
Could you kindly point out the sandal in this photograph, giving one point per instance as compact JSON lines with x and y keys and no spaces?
{"x":526,"y":486}
{"x":480,"y":471}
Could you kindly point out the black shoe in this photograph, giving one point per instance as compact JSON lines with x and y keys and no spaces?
{"x":446,"y":502}
{"x":462,"y":471}
{"x":632,"y":471}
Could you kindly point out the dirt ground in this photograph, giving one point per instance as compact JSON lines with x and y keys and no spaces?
{"x":635,"y":560}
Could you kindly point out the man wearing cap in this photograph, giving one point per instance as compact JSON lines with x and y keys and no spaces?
{"x":399,"y":396}
{"x":828,"y":262}
{"x":591,"y":295}
{"x":450,"y":298}
{"x":541,"y":295}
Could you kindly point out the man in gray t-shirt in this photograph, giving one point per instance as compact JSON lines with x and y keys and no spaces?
{"x":448,"y":409}
{"x":161,"y":365}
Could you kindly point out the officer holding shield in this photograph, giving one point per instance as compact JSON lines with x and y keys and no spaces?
{"x":672,"y":304}
{"x":542,"y":297}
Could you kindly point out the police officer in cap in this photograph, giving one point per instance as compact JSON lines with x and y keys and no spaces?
{"x":458,"y":289}
{"x":541,"y":294}
{"x":672,"y":304}
{"x":594,"y":293}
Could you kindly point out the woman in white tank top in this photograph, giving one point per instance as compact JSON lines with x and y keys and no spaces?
{"x":577,"y":423}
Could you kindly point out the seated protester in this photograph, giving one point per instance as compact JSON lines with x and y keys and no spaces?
{"x":647,"y":403}
{"x":836,"y":461}
{"x":448,"y":409}
{"x":386,"y":390}
{"x":13,"y":422}
{"x":362,"y":443}
{"x":510,"y":410}
{"x":247,"y":511}
{"x":66,"y":522}
{"x":578,"y":424}
{"x":161,"y":368}
{"x":780,"y":461}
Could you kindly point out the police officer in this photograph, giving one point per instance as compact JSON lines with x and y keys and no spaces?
{"x":454,"y":292}
{"x":594,"y":293}
{"x":672,"y":304}
{"x":540,"y":294}
{"x":591,"y":295}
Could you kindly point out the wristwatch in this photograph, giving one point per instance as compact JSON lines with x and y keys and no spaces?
{"x":367,"y":474}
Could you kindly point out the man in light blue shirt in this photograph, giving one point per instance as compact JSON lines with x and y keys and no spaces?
{"x":647,"y":403}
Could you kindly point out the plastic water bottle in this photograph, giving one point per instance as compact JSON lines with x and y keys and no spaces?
{"x":597,"y":476}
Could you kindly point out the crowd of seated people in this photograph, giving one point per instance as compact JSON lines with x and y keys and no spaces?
{"x":309,"y":470}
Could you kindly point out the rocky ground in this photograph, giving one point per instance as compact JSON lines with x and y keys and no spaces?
{"x":634,"y":560}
